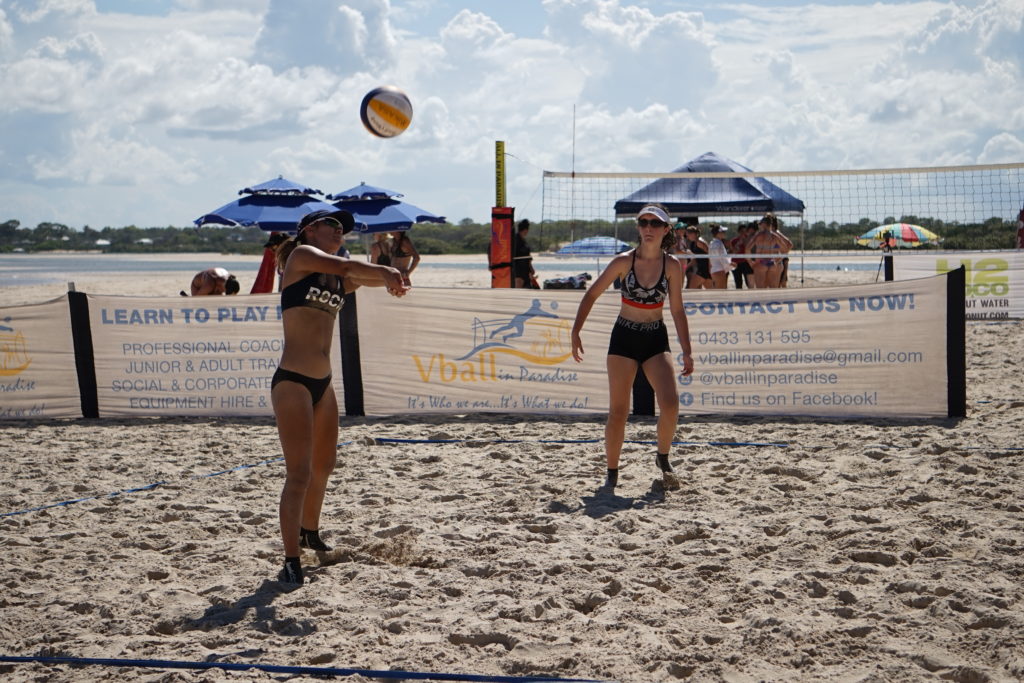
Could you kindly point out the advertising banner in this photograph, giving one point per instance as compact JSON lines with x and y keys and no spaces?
{"x":38,"y":376}
{"x":187,"y":356}
{"x":876,"y":350}
{"x":994,"y":284}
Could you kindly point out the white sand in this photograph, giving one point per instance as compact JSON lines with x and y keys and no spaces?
{"x":870,"y":550}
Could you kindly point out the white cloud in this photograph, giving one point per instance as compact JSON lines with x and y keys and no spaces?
{"x":37,"y":11}
{"x":344,"y":38}
{"x":1004,"y":148}
{"x":244,"y":90}
{"x":102,"y":156}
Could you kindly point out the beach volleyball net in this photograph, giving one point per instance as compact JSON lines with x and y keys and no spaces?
{"x":934,"y":197}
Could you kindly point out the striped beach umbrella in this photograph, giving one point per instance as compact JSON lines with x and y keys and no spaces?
{"x":904,"y":234}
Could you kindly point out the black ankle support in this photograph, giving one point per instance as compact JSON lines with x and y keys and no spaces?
{"x":613,"y":477}
{"x":310,"y":538}
{"x":663,"y":462}
{"x":292,"y":571}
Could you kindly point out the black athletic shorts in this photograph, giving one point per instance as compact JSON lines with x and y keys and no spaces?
{"x":639,"y":341}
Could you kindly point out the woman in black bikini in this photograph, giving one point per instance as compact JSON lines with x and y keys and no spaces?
{"x":404,"y":255}
{"x":380,"y":250}
{"x":639,"y":338}
{"x":312,"y":290}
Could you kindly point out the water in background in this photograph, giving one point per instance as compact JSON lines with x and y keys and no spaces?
{"x":38,"y":269}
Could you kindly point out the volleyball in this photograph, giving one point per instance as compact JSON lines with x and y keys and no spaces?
{"x":386,"y":111}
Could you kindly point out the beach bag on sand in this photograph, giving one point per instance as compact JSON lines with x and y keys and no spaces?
{"x":570,"y":282}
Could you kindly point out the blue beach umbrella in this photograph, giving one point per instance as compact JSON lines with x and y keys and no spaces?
{"x":364,"y":191}
{"x":275,"y":206}
{"x":376,"y":209}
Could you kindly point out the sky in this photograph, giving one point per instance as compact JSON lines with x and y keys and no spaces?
{"x":155,"y":112}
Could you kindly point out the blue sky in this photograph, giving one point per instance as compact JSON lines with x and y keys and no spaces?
{"x":154,"y":112}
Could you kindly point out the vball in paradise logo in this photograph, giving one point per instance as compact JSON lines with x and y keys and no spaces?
{"x":14,"y":358}
{"x":537,"y":336}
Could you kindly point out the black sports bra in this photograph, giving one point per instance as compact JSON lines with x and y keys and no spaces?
{"x":316,"y":290}
{"x":634,"y":294}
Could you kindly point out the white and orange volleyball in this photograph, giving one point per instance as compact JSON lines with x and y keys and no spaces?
{"x":386,"y":111}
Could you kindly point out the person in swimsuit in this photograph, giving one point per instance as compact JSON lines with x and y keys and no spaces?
{"x":768,"y":243}
{"x":404,"y":255}
{"x":380,"y":250}
{"x":314,"y":284}
{"x":681,"y":248}
{"x":785,"y":245}
{"x":639,"y":338}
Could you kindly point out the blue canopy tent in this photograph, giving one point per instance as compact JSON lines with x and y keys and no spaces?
{"x":712,"y":196}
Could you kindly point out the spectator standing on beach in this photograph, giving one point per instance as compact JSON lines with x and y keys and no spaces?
{"x":680,"y":247}
{"x":213,"y":281}
{"x":720,"y":263}
{"x":314,"y":284}
{"x":1020,"y":229}
{"x":522,"y":262}
{"x":404,"y":255}
{"x":381,"y":249}
{"x":742,"y":274}
{"x":787,"y":245}
{"x":767,"y":245}
{"x":639,"y":338}
{"x":699,"y":276}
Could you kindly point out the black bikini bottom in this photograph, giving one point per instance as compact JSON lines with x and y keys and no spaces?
{"x":316,"y":387}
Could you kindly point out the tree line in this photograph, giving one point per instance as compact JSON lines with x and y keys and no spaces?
{"x":467,"y":237}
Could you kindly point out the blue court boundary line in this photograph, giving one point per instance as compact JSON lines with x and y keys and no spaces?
{"x":285,"y":669}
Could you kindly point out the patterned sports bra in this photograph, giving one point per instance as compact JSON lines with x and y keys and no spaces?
{"x":634,"y":294}
{"x":316,"y":290}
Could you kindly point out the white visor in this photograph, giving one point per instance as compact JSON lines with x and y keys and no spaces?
{"x":653,"y":211}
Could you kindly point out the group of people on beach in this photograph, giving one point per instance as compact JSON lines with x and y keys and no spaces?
{"x":395,"y":249}
{"x":757,"y":256}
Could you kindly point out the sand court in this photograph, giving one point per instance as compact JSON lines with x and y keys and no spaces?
{"x":481,"y":544}
{"x":796,"y":549}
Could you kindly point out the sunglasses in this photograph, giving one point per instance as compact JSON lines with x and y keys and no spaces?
{"x":333,"y":222}
{"x":653,"y":222}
